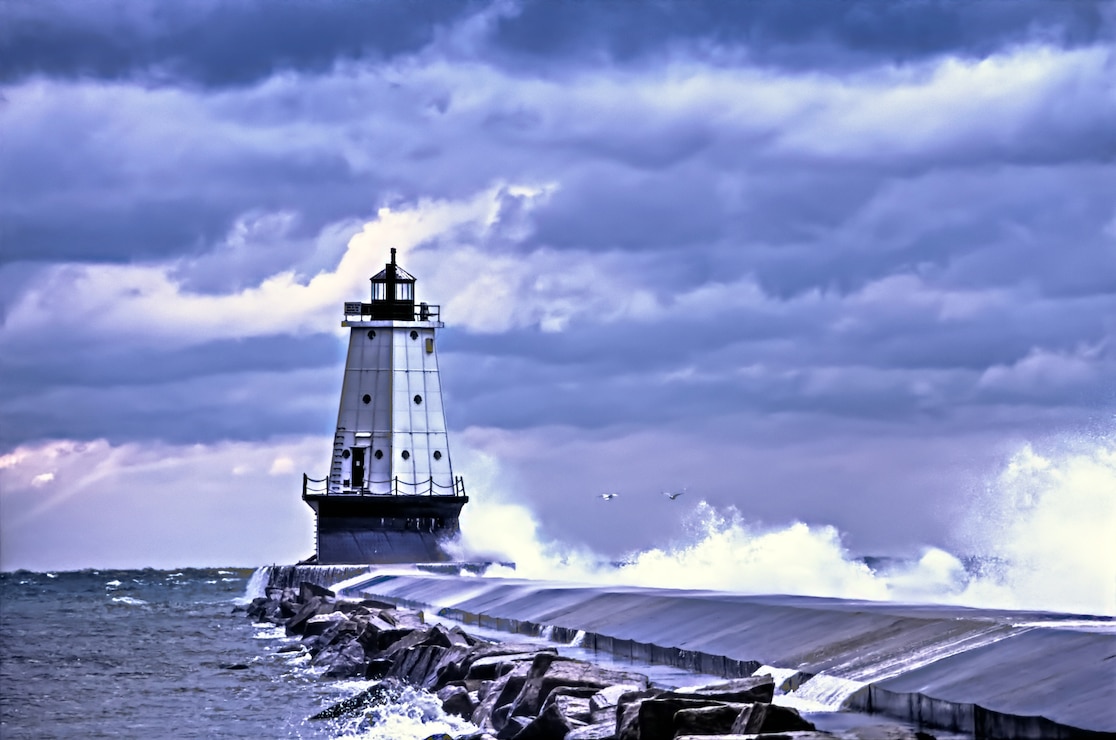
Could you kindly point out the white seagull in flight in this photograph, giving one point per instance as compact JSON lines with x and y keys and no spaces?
{"x":609,"y":496}
{"x":673,"y":494}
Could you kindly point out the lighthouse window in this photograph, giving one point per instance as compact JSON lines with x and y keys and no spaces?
{"x":345,"y":454}
{"x":414,"y":334}
{"x":371,"y":334}
{"x":367,"y":398}
{"x":406,"y":455}
{"x":437,"y":454}
{"x":379,"y":454}
{"x":418,"y":399}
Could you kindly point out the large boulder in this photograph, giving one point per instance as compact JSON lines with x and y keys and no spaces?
{"x":343,"y":660}
{"x":384,"y":692}
{"x":548,"y":672}
{"x":499,"y":695}
{"x":602,"y":704}
{"x":491,"y":667}
{"x":741,"y":690}
{"x":712,"y":720}
{"x":653,"y":718}
{"x":765,"y":718}
{"x":307,"y":591}
{"x":314,"y":606}
{"x":601,"y":731}
{"x":562,"y":712}
{"x":457,"y":700}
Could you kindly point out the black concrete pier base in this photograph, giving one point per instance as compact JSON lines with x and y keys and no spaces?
{"x":384,"y":529}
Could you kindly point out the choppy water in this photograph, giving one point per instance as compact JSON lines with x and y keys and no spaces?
{"x":145,"y":654}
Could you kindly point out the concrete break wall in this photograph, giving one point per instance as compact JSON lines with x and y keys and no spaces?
{"x":991,"y":674}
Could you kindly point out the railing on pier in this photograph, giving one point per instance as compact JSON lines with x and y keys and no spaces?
{"x":393,"y":486}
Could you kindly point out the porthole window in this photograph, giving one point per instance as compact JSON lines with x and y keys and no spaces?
{"x":379,"y":454}
{"x":345,"y":454}
{"x":414,"y":334}
{"x":367,"y":398}
{"x":371,"y":333}
{"x":406,"y":455}
{"x":418,"y":399}
{"x":437,"y":454}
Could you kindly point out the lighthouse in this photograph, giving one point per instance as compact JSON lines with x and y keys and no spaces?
{"x":391,"y":495}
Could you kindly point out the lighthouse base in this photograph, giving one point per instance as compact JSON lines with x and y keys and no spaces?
{"x":373,"y":529}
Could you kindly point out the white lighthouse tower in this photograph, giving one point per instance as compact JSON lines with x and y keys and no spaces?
{"x":391,"y":495}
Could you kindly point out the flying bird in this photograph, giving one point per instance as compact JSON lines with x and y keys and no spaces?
{"x":673,"y":494}
{"x":609,"y":496}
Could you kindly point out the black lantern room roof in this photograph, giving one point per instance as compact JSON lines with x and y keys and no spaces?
{"x":393,"y":293}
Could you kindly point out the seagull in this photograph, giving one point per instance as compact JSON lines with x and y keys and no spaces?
{"x":673,"y":494}
{"x":609,"y":496}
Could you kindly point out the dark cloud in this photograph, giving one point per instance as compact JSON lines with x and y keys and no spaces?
{"x":210,"y":43}
{"x":813,"y":33}
{"x":243,"y":42}
{"x":764,"y":248}
{"x":240,"y":405}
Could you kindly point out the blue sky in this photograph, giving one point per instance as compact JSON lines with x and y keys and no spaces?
{"x":822,"y":261}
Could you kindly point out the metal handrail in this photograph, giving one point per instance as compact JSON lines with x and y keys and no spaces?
{"x":422,"y":312}
{"x":458,"y":487}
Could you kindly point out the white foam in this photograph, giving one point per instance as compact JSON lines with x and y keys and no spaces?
{"x":416,"y":715}
{"x":785,"y":678}
{"x":256,"y":585}
{"x":1046,"y":522}
{"x":128,"y":600}
{"x":269,"y":632}
{"x":821,"y":693}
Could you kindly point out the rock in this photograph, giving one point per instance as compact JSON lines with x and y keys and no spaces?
{"x":345,"y":660}
{"x":765,"y":718}
{"x":601,"y":731}
{"x":377,"y":669}
{"x":551,"y":724}
{"x":712,"y":720}
{"x":384,"y":692}
{"x":549,"y":672}
{"x":572,"y":702}
{"x":513,"y":727}
{"x":492,"y":667}
{"x":457,"y":701}
{"x":627,"y":711}
{"x":500,"y":694}
{"x":602,"y":704}
{"x":743,"y":690}
{"x":654,"y":718}
{"x":307,"y":591}
{"x":311,"y":608}
{"x":375,"y":604}
{"x":406,"y":641}
{"x":448,"y":668}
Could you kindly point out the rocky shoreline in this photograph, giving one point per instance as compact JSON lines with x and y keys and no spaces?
{"x":515,"y":691}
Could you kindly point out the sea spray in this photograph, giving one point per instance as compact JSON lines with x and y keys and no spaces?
{"x":1040,"y":537}
{"x":1048,"y":521}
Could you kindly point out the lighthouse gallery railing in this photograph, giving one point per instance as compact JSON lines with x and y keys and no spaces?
{"x":320,"y":486}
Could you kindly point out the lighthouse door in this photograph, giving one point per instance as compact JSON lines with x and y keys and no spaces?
{"x":358,"y":468}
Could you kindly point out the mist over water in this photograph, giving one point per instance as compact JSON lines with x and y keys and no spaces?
{"x":1039,"y":535}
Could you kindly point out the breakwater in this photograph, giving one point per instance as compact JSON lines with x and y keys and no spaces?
{"x":989,"y":674}
{"x":508,"y":691}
